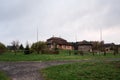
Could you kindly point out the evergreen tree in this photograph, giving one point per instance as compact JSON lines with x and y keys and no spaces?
{"x":21,"y":47}
{"x":27,"y":50}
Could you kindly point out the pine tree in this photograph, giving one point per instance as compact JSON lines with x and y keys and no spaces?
{"x":27,"y":50}
{"x":21,"y":47}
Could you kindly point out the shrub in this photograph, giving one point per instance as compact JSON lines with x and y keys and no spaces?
{"x":50,"y":52}
{"x":2,"y":48}
{"x":38,"y":47}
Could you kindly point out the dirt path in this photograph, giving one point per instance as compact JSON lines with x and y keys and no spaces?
{"x":30,"y":70}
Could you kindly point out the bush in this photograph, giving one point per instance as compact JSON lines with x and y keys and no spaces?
{"x":2,"y":48}
{"x":50,"y":52}
{"x":39,"y":47}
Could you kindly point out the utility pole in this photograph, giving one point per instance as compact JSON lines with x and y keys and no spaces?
{"x":100,"y":34}
{"x":37,"y":42}
{"x":76,"y":37}
{"x":37,"y":34}
{"x":101,"y":44}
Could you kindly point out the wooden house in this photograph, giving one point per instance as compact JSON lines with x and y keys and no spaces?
{"x":85,"y":46}
{"x":59,"y":43}
{"x":109,"y":47}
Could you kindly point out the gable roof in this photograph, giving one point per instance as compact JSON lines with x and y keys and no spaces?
{"x":109,"y":45}
{"x":57,"y":40}
{"x":84,"y":43}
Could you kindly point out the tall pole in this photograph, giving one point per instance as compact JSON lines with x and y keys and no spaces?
{"x":100,"y":34}
{"x":101,"y":38}
{"x":37,"y":34}
{"x":37,"y":42}
{"x":76,"y":37}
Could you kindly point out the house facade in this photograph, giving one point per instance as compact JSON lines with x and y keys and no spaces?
{"x":109,"y":47}
{"x":59,"y":43}
{"x":85,"y":46}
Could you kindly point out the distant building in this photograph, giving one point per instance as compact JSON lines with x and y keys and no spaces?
{"x":9,"y":47}
{"x":84,"y":46}
{"x":109,"y":47}
{"x":56,"y":42}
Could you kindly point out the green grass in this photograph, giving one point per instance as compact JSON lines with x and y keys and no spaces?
{"x":47,"y":57}
{"x":84,"y":71}
{"x":3,"y":76}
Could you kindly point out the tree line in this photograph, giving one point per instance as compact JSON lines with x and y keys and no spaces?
{"x":40,"y":47}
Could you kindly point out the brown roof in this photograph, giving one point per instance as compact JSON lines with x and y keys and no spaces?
{"x":84,"y":43}
{"x":57,"y":40}
{"x":109,"y":45}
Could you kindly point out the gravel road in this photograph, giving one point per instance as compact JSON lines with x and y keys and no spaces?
{"x":30,"y":70}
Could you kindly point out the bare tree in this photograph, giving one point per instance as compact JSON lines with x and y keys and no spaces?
{"x":15,"y":45}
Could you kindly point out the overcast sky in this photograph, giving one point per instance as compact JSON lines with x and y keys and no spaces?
{"x":69,"y":19}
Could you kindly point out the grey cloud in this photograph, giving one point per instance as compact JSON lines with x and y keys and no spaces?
{"x":14,"y":9}
{"x":57,"y":17}
{"x":10,"y":9}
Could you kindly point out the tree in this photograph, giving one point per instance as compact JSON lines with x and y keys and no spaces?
{"x":15,"y":45}
{"x":2,"y":48}
{"x":38,"y":47}
{"x":27,"y":50}
{"x":97,"y":46}
{"x":115,"y":50}
{"x":21,"y":47}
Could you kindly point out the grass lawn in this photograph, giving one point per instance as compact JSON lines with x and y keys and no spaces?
{"x":84,"y":71}
{"x":3,"y":76}
{"x":47,"y":57}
